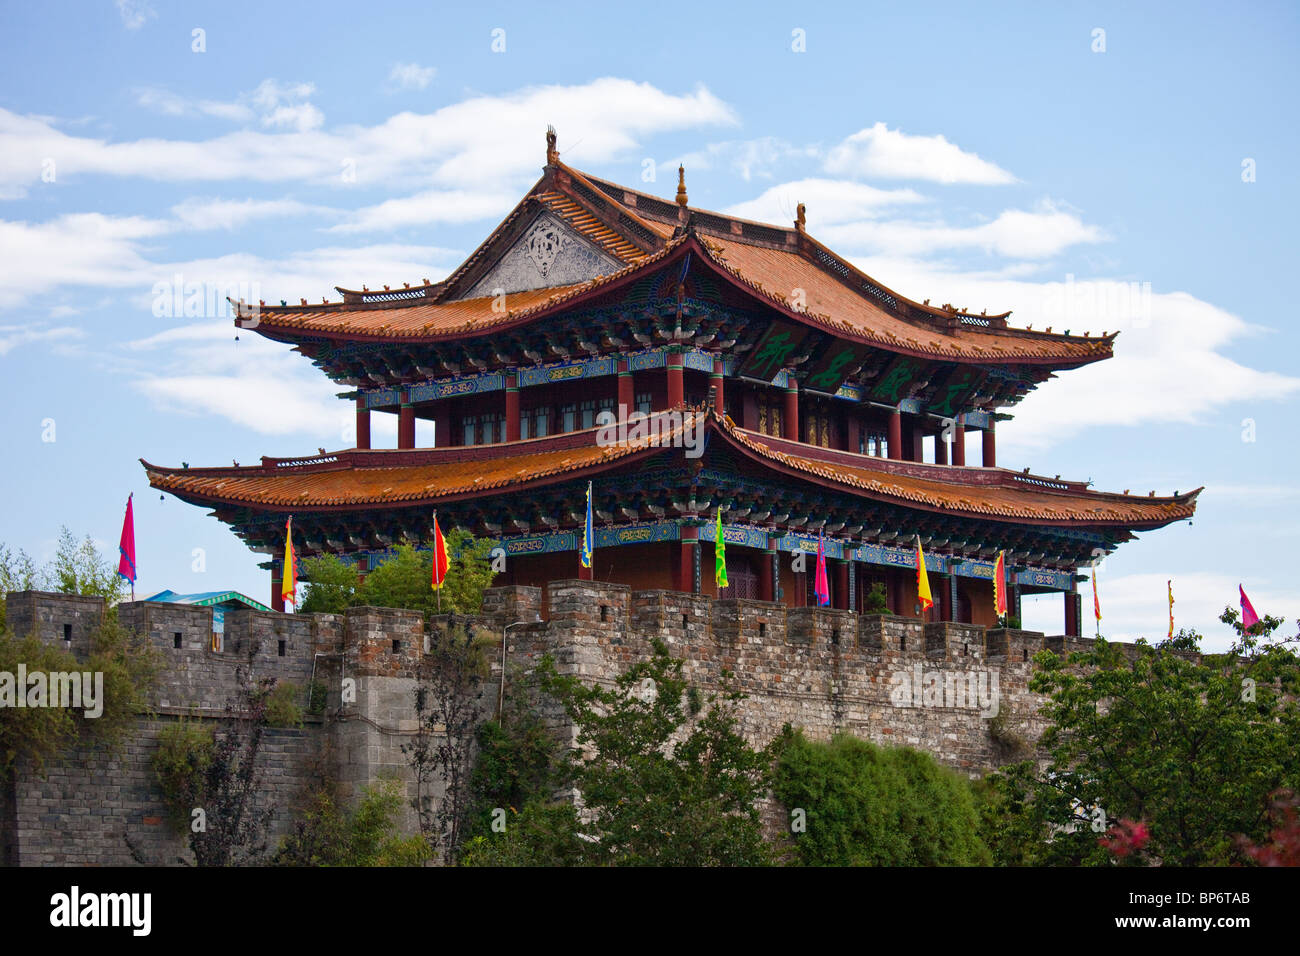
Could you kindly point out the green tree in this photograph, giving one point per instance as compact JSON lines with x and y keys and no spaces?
{"x":324,"y":834}
{"x":405,"y":578}
{"x":79,"y":568}
{"x":123,"y":661}
{"x":331,"y":584}
{"x":448,"y":708}
{"x":658,"y":787}
{"x":858,"y":804}
{"x":1193,"y":748}
{"x":18,"y":572}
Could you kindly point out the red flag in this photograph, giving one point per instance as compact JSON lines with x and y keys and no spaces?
{"x":126,"y":547}
{"x":1248,"y":616}
{"x":821,"y":586}
{"x":439,"y":556}
{"x":1000,"y":584}
{"x":1096,"y":604}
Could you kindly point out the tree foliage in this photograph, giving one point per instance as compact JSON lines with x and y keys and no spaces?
{"x":34,"y":735}
{"x":325,"y":834}
{"x":211,"y":781}
{"x":449,"y":708}
{"x":658,"y":787}
{"x":1192,"y":749}
{"x":864,"y":805}
{"x":403,"y":580}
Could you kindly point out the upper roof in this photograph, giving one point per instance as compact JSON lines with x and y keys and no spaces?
{"x":361,"y":479}
{"x":633,"y":234}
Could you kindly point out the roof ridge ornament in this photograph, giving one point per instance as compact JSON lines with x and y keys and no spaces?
{"x":681,"y":185}
{"x":552,"y":154}
{"x":801,"y":217}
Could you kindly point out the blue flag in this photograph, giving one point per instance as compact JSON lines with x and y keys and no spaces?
{"x":588,"y":534}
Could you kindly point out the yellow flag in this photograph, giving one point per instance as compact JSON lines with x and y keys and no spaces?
{"x":922,"y":580}
{"x":289,"y":575}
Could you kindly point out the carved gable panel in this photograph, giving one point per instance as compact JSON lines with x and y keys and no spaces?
{"x":549,"y":253}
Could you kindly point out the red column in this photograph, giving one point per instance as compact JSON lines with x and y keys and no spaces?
{"x":990,"y":447}
{"x":584,"y":574}
{"x":626,"y":396}
{"x":1072,"y":605}
{"x":940,"y":449}
{"x":959,"y":444}
{"x":790,"y":420}
{"x":363,"y":422}
{"x":918,"y":444}
{"x":896,"y":435}
{"x":766,"y":589}
{"x":715,"y":380}
{"x":277,"y":599}
{"x":853,"y":433}
{"x":406,"y":425}
{"x":840,"y":597}
{"x":442,"y":424}
{"x":676,"y":388}
{"x":512,"y":408}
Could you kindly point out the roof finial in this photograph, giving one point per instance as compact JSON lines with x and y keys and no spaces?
{"x":552,"y":154}
{"x":681,"y":185}
{"x":800,"y":220}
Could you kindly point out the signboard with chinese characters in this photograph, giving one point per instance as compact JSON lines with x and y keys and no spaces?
{"x":836,"y":362}
{"x":778,"y":345}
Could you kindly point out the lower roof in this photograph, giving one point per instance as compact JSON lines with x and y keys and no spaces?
{"x":359,"y":480}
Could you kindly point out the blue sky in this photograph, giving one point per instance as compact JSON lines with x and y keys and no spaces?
{"x":993,"y":156}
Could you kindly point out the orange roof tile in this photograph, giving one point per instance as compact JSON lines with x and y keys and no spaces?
{"x":830,"y":303}
{"x":361,"y":478}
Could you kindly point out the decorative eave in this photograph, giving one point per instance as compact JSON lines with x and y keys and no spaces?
{"x":469,"y":318}
{"x":355,"y":480}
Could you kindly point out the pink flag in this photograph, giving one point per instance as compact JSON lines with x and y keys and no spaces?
{"x":1248,"y":616}
{"x":126,"y":564}
{"x":821,"y":587}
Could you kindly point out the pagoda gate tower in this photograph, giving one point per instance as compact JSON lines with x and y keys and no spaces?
{"x":680,"y":363}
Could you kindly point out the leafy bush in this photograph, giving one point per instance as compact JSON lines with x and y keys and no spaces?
{"x":871,"y":806}
{"x":282,"y":707}
{"x":129,"y":668}
{"x":325,"y":835}
{"x":180,"y":763}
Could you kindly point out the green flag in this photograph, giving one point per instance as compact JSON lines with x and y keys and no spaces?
{"x":720,"y":555}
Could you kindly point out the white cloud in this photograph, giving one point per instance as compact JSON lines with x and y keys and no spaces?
{"x":893,"y":154}
{"x":173,"y":104}
{"x":135,"y":13}
{"x":450,"y":206}
{"x":829,"y":201}
{"x":1135,"y":605}
{"x":411,"y":76}
{"x":1016,"y":233}
{"x":198,"y":370}
{"x":451,"y":147}
{"x":12,"y":336}
{"x":746,"y":158}
{"x":1169,"y":365}
{"x":91,"y":249}
{"x":212,"y":213}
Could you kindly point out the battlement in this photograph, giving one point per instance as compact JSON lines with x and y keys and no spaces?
{"x":890,"y":679}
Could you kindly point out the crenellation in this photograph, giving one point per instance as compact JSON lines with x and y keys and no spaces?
{"x":890,"y":679}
